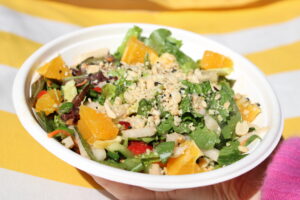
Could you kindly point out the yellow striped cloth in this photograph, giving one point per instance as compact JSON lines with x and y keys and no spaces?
{"x":266,"y":32}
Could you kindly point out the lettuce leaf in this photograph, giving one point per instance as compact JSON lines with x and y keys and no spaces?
{"x":162,"y":42}
{"x":230,"y":154}
{"x":205,"y":138}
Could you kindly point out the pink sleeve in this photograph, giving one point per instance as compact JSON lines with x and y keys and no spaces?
{"x":282,"y":179}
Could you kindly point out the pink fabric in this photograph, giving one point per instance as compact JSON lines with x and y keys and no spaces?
{"x":282,"y":181}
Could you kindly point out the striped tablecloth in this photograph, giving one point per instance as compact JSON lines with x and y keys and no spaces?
{"x":267,"y":33}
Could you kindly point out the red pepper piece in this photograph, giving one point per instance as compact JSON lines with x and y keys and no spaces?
{"x":41,"y":93}
{"x":97,"y":89}
{"x":126,"y":125}
{"x":137,"y":147}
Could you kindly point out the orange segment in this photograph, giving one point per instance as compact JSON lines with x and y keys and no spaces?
{"x":212,"y":60}
{"x":49,"y":102}
{"x":55,"y":69}
{"x":185,"y":163}
{"x":136,"y":52}
{"x":248,"y":110}
{"x":95,"y":126}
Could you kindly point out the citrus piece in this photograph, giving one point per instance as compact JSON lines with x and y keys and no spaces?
{"x":95,"y":126}
{"x":136,"y":52}
{"x":48,"y":102}
{"x":248,"y":110}
{"x":55,"y":69}
{"x":185,"y":163}
{"x":212,"y":60}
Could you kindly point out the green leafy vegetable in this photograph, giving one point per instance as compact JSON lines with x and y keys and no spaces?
{"x":229,"y":129}
{"x":120,"y":148}
{"x":165,"y":150}
{"x":133,"y":164}
{"x":203,"y":89}
{"x":162,"y":42}
{"x":86,"y":146}
{"x":46,"y":123}
{"x":144,"y":107}
{"x":36,"y":87}
{"x":251,"y":139}
{"x":113,"y":155}
{"x":230,"y":154}
{"x":108,"y":90}
{"x":205,"y":138}
{"x":165,"y":125}
{"x":182,"y":128}
{"x":185,"y":104}
{"x":65,"y":108}
{"x":133,"y":32}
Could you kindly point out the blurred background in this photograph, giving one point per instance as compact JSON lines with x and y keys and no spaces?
{"x":267,"y":32}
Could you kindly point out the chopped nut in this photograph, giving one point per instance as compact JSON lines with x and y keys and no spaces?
{"x":243,"y":149}
{"x":241,"y":128}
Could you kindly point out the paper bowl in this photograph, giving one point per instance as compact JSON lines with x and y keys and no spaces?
{"x":250,"y":81}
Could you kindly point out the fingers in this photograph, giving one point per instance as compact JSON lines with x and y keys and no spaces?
{"x":123,"y":191}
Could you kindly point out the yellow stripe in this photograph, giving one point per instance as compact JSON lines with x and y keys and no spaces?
{"x":20,"y":152}
{"x":276,"y":60}
{"x":204,"y":21}
{"x":14,"y":49}
{"x":291,"y":127}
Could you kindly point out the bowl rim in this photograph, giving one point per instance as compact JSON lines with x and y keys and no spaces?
{"x":27,"y":119}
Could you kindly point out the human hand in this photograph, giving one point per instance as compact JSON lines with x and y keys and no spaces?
{"x":242,"y":187}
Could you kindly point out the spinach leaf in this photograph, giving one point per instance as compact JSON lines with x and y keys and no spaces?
{"x":229,"y":129}
{"x":113,"y":155}
{"x":65,"y":108}
{"x":165,"y":125}
{"x":251,"y":139}
{"x":46,"y":123}
{"x":101,"y":99}
{"x":203,"y":89}
{"x":162,"y":42}
{"x":144,"y":107}
{"x":133,"y":32}
{"x":113,"y":163}
{"x":185,"y":104}
{"x":230,"y":154}
{"x":133,"y":164}
{"x":205,"y":138}
{"x":183,"y":128}
{"x":165,"y":150}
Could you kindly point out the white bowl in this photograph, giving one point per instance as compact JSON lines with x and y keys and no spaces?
{"x":250,"y":81}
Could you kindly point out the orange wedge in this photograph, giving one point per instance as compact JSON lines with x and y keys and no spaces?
{"x":55,"y":69}
{"x":136,"y":52}
{"x":185,"y":163}
{"x":48,"y":102}
{"x":213,"y":60}
{"x":95,"y":126}
{"x":248,"y":110}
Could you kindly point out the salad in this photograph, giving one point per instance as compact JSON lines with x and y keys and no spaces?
{"x":147,"y":108}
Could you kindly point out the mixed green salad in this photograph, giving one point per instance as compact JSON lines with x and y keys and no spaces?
{"x":147,"y":108}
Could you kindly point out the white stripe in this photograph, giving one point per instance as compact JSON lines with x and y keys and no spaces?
{"x":260,"y":38}
{"x":34,"y":28}
{"x":244,"y":41}
{"x":286,"y":85}
{"x":16,"y":185}
{"x":7,"y":75}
